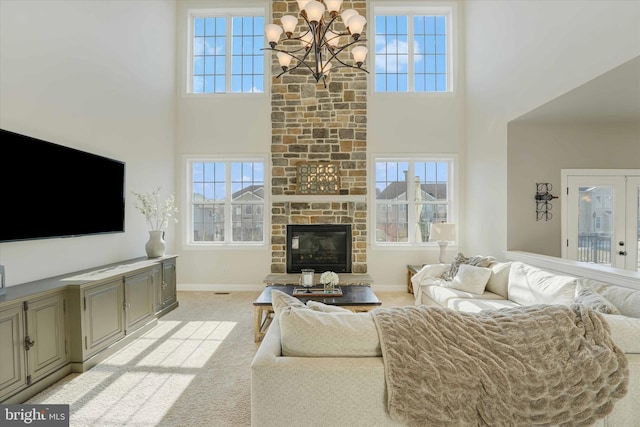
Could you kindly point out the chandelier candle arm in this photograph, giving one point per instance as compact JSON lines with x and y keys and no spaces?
{"x":319,"y":37}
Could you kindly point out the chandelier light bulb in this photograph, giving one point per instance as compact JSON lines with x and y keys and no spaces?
{"x":359,"y":54}
{"x":333,"y":5}
{"x":314,"y":10}
{"x":356,"y":25}
{"x":346,"y":15}
{"x":284,"y":59}
{"x":332,"y":38}
{"x":302,"y":4}
{"x":272,"y":32}
{"x":307,"y":39}
{"x":289,"y":23}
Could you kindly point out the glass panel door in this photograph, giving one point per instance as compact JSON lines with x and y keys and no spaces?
{"x":601,"y":218}
{"x":633,"y":224}
{"x":595,"y":219}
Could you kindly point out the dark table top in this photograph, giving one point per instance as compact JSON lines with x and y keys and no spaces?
{"x":351,"y":295}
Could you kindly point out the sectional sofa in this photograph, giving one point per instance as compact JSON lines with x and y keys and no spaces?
{"x":323,"y":366}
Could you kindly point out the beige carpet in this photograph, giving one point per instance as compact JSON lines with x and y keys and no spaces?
{"x":193,"y":369}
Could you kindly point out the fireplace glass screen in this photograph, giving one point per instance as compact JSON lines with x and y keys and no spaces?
{"x":322,"y":247}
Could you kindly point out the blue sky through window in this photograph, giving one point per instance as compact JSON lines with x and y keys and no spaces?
{"x":415,"y":53}
{"x":228,"y":62}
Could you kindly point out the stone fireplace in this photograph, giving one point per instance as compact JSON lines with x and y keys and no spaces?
{"x":314,"y":123}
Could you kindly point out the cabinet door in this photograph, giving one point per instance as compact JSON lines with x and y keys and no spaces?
{"x":139,"y":299}
{"x":103,"y":316}
{"x":157,"y":288}
{"x":13,"y":372}
{"x":46,"y":332}
{"x":168,"y":283}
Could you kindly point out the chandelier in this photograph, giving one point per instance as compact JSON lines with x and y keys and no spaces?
{"x":320,"y":43}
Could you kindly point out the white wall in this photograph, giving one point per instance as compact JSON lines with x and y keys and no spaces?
{"x":538,"y":153}
{"x":400,"y":123}
{"x":219,"y":125}
{"x":519,"y":55}
{"x":97,"y":76}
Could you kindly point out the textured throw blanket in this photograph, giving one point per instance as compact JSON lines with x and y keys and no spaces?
{"x":525,"y":366}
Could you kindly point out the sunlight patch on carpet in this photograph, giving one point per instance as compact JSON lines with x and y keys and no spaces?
{"x":154,"y":394}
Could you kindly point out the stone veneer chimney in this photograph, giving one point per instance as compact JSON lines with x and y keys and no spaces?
{"x":312,"y":123}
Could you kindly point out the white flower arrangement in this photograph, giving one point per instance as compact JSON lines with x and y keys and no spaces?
{"x":329,"y":278}
{"x":156,"y":213}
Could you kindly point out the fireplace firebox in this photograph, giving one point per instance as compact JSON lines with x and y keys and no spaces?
{"x":322,"y":247}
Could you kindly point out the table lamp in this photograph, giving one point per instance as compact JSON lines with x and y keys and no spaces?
{"x":443,"y":233}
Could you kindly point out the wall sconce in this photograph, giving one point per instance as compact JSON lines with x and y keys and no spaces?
{"x":543,"y":197}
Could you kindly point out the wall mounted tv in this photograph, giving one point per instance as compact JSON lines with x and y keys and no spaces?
{"x":49,"y":190}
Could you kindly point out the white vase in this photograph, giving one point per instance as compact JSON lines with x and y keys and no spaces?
{"x":156,"y":245}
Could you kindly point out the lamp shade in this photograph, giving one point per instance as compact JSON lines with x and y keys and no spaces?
{"x":284,"y":59}
{"x":359,"y":54}
{"x":289,"y":23}
{"x":307,"y":39}
{"x":272,"y":32}
{"x":356,"y":24}
{"x":346,"y":15}
{"x":442,"y":231}
{"x":332,"y":38}
{"x":302,"y":4}
{"x":314,"y":10}
{"x":333,"y":5}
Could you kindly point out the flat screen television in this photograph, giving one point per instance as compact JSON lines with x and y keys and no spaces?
{"x":49,"y":190}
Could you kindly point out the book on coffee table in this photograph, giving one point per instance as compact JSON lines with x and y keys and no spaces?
{"x":316,"y":292}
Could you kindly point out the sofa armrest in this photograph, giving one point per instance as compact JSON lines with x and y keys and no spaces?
{"x":315,"y":391}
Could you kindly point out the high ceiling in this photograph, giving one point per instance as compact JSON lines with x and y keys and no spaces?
{"x":611,"y":97}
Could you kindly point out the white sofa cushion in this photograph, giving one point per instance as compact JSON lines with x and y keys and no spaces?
{"x":469,"y":278}
{"x":281,"y":301}
{"x":499,"y":281}
{"x":442,"y":294}
{"x":529,"y":285}
{"x":319,"y":306}
{"x":476,"y":305}
{"x":310,"y":333}
{"x":625,"y":332}
{"x":590,"y":298}
{"x":626,"y":300}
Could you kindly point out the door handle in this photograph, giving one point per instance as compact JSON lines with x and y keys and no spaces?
{"x":622,"y":252}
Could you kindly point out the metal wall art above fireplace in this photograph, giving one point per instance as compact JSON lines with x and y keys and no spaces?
{"x":322,"y":247}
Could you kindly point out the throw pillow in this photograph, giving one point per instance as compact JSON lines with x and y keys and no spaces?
{"x":281,"y":301}
{"x":310,"y":333}
{"x":626,"y":300}
{"x":499,"y":281}
{"x":596,"y":301}
{"x":326,"y":308}
{"x":470,"y":279}
{"x":478,"y":261}
{"x":529,"y":285}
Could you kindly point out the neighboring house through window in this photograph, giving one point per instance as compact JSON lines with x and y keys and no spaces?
{"x":226,"y":201}
{"x":225,"y":51}
{"x":410,"y":194}
{"x":413,"y":47}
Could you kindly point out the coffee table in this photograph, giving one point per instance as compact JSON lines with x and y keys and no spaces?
{"x":357,"y":298}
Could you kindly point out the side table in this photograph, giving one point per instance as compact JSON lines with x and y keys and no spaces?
{"x":412,"y":269}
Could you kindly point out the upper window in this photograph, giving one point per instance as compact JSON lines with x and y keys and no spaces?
{"x":225,"y":52}
{"x":226,"y":201}
{"x":412,"y":49}
{"x":410,"y":195}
